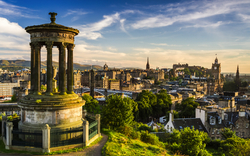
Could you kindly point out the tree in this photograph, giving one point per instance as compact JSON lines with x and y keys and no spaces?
{"x":118,"y":112}
{"x":189,"y":141}
{"x":227,"y":133}
{"x":13,"y":98}
{"x":91,"y":105}
{"x":244,"y":84}
{"x":146,"y":100}
{"x":229,"y":86}
{"x":187,"y":108}
{"x":187,"y":71}
{"x":163,"y":104}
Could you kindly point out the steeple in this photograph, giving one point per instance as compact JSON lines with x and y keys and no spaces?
{"x":237,"y":79}
{"x":147,"y":65}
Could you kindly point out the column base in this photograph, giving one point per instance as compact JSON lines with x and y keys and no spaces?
{"x":70,"y":92}
{"x":49,"y":93}
{"x":63,"y":93}
{"x":37,"y":93}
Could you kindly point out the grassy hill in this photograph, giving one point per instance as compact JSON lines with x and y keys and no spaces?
{"x":19,"y":64}
{"x":119,"y":144}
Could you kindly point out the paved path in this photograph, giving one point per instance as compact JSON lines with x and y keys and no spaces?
{"x":95,"y":150}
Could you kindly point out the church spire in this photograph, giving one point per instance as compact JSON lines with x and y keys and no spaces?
{"x":237,"y":80}
{"x":147,"y":65}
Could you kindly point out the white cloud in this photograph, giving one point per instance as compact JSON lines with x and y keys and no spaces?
{"x":14,"y":10}
{"x":75,"y":12}
{"x":199,"y":10}
{"x":164,"y":44}
{"x":13,"y":36}
{"x":91,"y":31}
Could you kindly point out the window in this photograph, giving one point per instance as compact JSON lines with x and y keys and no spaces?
{"x":218,"y":131}
{"x":237,"y":126}
{"x":212,"y":121}
{"x":219,"y":120}
{"x":167,"y":127}
{"x":180,"y":127}
{"x":247,"y":125}
{"x":231,"y":126}
{"x":171,"y":129}
{"x":242,"y":134}
{"x":237,"y":133}
{"x":213,"y":131}
{"x":192,"y":127}
{"x":226,"y":117}
{"x":200,"y":127}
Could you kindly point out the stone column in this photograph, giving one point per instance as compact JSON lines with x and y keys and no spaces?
{"x":98,"y":118}
{"x":49,"y":46}
{"x":4,"y":119}
{"x":85,"y":134}
{"x":70,"y":70}
{"x":37,"y":70}
{"x":46,"y":138}
{"x":62,"y":68}
{"x":9,"y":127}
{"x":32,"y":66}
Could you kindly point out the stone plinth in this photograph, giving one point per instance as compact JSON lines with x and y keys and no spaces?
{"x":58,"y":111}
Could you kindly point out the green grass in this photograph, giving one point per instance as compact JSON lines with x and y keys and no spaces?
{"x":119,"y":144}
{"x":3,"y":150}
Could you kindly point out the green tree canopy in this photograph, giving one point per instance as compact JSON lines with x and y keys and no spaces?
{"x":189,"y":142}
{"x":187,"y":108}
{"x":146,"y":101}
{"x":163,"y":104}
{"x":118,"y":112}
{"x":187,"y":71}
{"x":91,"y":105}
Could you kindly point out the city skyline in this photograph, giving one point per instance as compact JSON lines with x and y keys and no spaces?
{"x":125,"y":33}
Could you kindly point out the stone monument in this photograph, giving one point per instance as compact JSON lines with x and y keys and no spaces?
{"x":62,"y":109}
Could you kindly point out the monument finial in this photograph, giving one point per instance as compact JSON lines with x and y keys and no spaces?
{"x":53,"y":17}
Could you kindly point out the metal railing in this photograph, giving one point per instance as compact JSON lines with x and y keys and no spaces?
{"x":4,"y":129}
{"x":93,"y":128}
{"x":66,"y":137}
{"x":27,"y":138}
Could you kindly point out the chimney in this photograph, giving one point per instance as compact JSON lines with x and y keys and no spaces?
{"x":171,"y":116}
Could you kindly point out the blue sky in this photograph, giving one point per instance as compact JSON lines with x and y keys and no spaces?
{"x":125,"y":33}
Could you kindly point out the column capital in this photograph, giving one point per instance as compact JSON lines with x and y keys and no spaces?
{"x":62,"y":45}
{"x":49,"y":44}
{"x":71,"y":47}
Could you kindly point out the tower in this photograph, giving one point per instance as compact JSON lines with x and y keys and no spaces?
{"x":237,"y":78}
{"x":147,"y":65}
{"x":216,"y":69}
{"x":105,"y":67}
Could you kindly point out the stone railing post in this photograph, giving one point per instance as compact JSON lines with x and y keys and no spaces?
{"x":98,"y":118}
{"x":4,"y":119}
{"x":46,"y":138}
{"x":9,"y":128}
{"x":85,"y":134}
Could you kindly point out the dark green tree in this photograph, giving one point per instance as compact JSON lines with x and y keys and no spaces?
{"x":118,"y":112}
{"x":187,"y":108}
{"x":229,"y":86}
{"x":91,"y":105}
{"x":163,"y":103}
{"x":189,"y":142}
{"x":187,"y":71}
{"x":146,"y":101}
{"x":13,"y":98}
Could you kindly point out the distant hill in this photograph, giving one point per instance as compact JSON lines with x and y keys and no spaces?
{"x":26,"y":64}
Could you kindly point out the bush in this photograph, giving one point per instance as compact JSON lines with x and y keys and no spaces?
{"x":135,"y":135}
{"x":126,"y":130}
{"x":214,"y":143}
{"x":150,"y":138}
{"x":144,"y":127}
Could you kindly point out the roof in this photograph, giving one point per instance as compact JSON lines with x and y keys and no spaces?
{"x":195,"y":123}
{"x":217,"y":117}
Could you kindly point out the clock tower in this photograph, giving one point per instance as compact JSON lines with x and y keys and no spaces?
{"x":216,"y":69}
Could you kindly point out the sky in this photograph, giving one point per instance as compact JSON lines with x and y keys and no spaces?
{"x":124,"y":33}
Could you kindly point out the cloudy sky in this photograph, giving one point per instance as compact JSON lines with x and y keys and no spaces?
{"x":124,"y":33}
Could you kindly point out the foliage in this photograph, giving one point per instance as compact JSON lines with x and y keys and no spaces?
{"x":43,"y":88}
{"x":163,"y":104}
{"x":228,"y":133}
{"x":119,"y":144}
{"x":13,"y":98}
{"x":166,"y":76}
{"x":230,"y":86}
{"x":244,"y":84}
{"x":146,"y":100}
{"x":91,"y":105}
{"x":187,"y":71}
{"x":189,"y":141}
{"x":173,"y":78}
{"x":10,"y":118}
{"x":150,"y":138}
{"x":236,"y":146}
{"x":118,"y":111}
{"x":187,"y":108}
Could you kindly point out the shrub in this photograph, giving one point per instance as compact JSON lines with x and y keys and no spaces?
{"x":125,"y":129}
{"x":135,"y":135}
{"x":150,"y":138}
